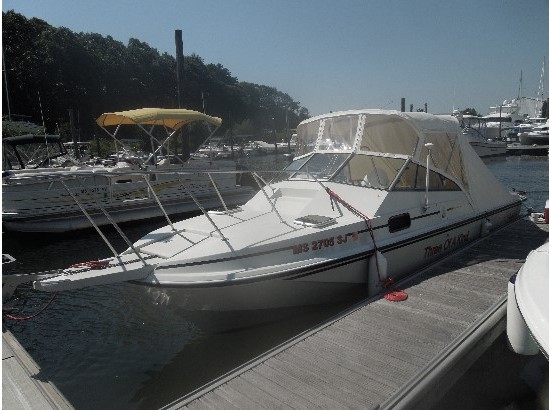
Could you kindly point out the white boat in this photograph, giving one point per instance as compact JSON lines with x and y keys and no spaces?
{"x":35,"y":151}
{"x":527,"y":308}
{"x":474,"y":128}
{"x":262,"y":147}
{"x":502,"y":119}
{"x":382,"y":194}
{"x":60,"y":199}
{"x":538,"y":135}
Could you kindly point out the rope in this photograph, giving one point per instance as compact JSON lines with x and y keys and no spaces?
{"x":395,"y":295}
{"x":9,"y":316}
{"x":333,"y":195}
{"x":91,"y":264}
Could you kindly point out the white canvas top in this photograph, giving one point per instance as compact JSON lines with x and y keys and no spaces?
{"x":405,"y":134}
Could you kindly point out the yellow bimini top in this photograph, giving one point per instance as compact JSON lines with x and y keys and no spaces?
{"x":173,"y":118}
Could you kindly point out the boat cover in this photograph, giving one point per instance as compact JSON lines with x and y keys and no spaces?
{"x":169,"y":117}
{"x":391,"y":132}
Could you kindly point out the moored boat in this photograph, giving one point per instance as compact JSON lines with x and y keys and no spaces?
{"x":382,"y":194}
{"x":527,"y":308}
{"x":475,"y":129}
{"x":538,"y":135}
{"x":66,"y":198}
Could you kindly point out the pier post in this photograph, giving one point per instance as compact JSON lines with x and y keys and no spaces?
{"x":185,"y":151}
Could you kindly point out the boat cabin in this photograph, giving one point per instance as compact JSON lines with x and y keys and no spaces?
{"x":31,"y":151}
{"x":376,"y":150}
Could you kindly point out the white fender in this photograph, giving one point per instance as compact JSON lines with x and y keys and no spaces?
{"x":486,"y":227}
{"x":374,"y":276}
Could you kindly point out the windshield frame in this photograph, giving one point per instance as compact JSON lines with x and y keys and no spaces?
{"x":335,"y":167}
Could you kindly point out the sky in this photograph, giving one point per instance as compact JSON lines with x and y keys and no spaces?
{"x":339,"y":55}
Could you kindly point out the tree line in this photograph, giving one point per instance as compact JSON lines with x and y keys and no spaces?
{"x":51,"y":70}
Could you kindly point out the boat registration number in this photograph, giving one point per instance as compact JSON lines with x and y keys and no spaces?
{"x":317,"y":245}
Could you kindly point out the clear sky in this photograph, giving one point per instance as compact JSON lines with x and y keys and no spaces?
{"x":345,"y":54}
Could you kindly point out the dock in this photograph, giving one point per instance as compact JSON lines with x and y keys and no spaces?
{"x":518,"y":149}
{"x":381,"y":354}
{"x":23,"y":386}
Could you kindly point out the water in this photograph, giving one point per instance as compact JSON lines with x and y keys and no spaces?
{"x":110,"y":347}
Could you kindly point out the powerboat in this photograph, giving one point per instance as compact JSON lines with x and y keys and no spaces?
{"x":527,"y":307}
{"x":35,"y":151}
{"x":538,"y":135}
{"x":382,"y":194}
{"x":502,"y":119}
{"x":65,"y":197}
{"x":474,"y":128}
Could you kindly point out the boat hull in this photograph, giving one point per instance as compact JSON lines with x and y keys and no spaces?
{"x":146,"y":208}
{"x":533,"y":139}
{"x":489,"y":149}
{"x":336,"y":280}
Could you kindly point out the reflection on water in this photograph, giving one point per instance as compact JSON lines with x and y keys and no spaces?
{"x":112,"y":346}
{"x":137,"y":354}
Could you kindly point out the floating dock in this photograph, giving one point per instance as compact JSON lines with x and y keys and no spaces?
{"x":23,"y":387}
{"x":377,"y":354}
{"x":518,"y":149}
{"x":382,"y":354}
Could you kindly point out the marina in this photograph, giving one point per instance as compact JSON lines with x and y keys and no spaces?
{"x":108,"y":340}
{"x":232,"y":227}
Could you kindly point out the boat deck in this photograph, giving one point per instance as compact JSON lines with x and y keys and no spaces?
{"x":382,"y":354}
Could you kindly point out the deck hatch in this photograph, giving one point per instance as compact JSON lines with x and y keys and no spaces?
{"x":315,"y":221}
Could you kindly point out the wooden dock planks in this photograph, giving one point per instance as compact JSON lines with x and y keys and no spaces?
{"x":22,"y":385}
{"x":366,"y":357}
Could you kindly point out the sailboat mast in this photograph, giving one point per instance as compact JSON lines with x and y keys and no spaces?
{"x":520,"y":83}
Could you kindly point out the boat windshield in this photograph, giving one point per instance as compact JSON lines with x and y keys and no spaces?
{"x":329,"y":134}
{"x":319,"y":166}
{"x":370,"y":171}
{"x":31,"y":151}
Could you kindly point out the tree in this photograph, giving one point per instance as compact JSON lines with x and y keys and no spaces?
{"x":92,"y":74}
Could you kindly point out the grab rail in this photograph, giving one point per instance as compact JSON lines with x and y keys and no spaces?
{"x":205,"y":213}
{"x":158,"y":202}
{"x":75,"y":199}
{"x":111,"y":220}
{"x":256,"y":177}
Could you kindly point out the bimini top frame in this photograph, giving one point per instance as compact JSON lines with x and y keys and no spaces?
{"x":147,"y":118}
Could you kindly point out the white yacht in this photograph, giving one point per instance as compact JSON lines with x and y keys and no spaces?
{"x":48,"y":196}
{"x":382,"y":194}
{"x":502,"y":119}
{"x":538,"y":135}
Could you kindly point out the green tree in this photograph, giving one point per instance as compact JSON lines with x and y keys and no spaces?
{"x":92,"y":74}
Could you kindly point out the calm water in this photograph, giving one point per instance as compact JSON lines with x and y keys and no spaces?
{"x":111,"y":347}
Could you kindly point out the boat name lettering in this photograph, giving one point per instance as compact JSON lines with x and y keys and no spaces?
{"x":449,"y":243}
{"x":92,"y":190}
{"x":324,"y":243}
